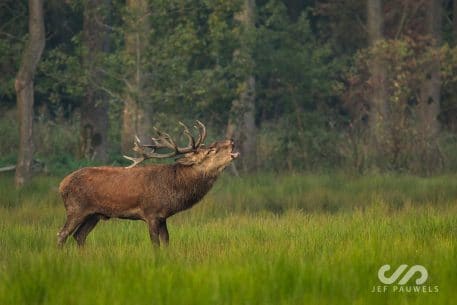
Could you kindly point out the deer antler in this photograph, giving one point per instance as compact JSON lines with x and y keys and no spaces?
{"x":201,"y":133}
{"x":164,"y":141}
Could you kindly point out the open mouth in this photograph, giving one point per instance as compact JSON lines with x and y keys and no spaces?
{"x":234,"y":155}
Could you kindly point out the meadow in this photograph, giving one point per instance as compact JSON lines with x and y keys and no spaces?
{"x":264,"y":239}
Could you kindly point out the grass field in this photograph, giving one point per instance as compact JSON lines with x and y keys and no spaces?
{"x":267,"y":239}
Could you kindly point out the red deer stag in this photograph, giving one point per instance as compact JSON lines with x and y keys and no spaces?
{"x":150,"y":193}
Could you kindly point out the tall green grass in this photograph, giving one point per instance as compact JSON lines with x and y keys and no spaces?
{"x":265,"y":239}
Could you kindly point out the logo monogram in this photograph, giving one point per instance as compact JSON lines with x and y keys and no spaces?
{"x":409,"y":274}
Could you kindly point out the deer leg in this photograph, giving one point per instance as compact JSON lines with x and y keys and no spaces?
{"x":163,"y":231}
{"x":73,"y":221}
{"x":154,"y":225}
{"x":85,"y":228}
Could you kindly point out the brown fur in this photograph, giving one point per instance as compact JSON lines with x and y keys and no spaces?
{"x":151,"y":193}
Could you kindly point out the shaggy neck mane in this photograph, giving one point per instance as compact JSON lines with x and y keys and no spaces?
{"x":192,"y":177}
{"x":190,"y":185}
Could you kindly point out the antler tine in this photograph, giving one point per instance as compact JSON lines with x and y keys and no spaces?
{"x":137,"y":144}
{"x":191,"y":143}
{"x":164,"y":140}
{"x":137,"y":148}
{"x":156,"y":143}
{"x":135,"y":161}
{"x":202,"y":133}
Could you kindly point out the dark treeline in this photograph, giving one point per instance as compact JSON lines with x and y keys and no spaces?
{"x":359,"y":85}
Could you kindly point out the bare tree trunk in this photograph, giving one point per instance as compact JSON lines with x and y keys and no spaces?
{"x":241,"y":125}
{"x":136,"y":112}
{"x":429,"y":103}
{"x":451,"y":114}
{"x":94,"y":109}
{"x":378,"y":115}
{"x":454,"y":21}
{"x":374,"y":21}
{"x":248,"y":128}
{"x":24,"y":90}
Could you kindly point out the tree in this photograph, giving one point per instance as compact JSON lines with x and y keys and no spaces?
{"x":378,"y":105}
{"x":94,"y":108}
{"x":135,"y":115}
{"x":25,"y":92}
{"x":241,"y":125}
{"x":454,"y":21}
{"x":429,"y":101}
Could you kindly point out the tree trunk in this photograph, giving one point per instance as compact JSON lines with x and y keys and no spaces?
{"x":454,"y":21}
{"x":378,"y":105}
{"x":429,"y":103}
{"x":241,"y":126}
{"x":94,"y":109}
{"x":24,"y":90}
{"x":451,"y":114}
{"x":136,"y":113}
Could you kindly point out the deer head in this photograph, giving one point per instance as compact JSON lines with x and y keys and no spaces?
{"x":211,"y":159}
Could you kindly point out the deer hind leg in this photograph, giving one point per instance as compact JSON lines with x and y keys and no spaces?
{"x":74,"y":219}
{"x":85,"y":228}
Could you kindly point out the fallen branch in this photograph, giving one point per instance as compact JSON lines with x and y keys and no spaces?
{"x":7,"y":168}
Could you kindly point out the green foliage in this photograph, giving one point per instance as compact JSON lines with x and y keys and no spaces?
{"x":404,"y":62}
{"x":290,"y":63}
{"x":296,"y":76}
{"x":13,"y":26}
{"x":300,"y":141}
{"x":56,"y":143}
{"x":61,"y":79}
{"x":191,"y":57}
{"x":8,"y":138}
{"x":342,"y":23}
{"x":311,"y":69}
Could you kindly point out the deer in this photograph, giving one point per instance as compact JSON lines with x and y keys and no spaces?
{"x":151,"y":193}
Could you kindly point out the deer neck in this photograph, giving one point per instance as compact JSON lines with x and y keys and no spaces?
{"x":191,"y":185}
{"x":189,"y":177}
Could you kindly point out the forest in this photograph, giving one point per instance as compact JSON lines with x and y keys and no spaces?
{"x":344,"y":113}
{"x":315,"y":86}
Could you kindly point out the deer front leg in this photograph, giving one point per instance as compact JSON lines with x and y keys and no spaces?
{"x":154,"y":224}
{"x":163,"y":231}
